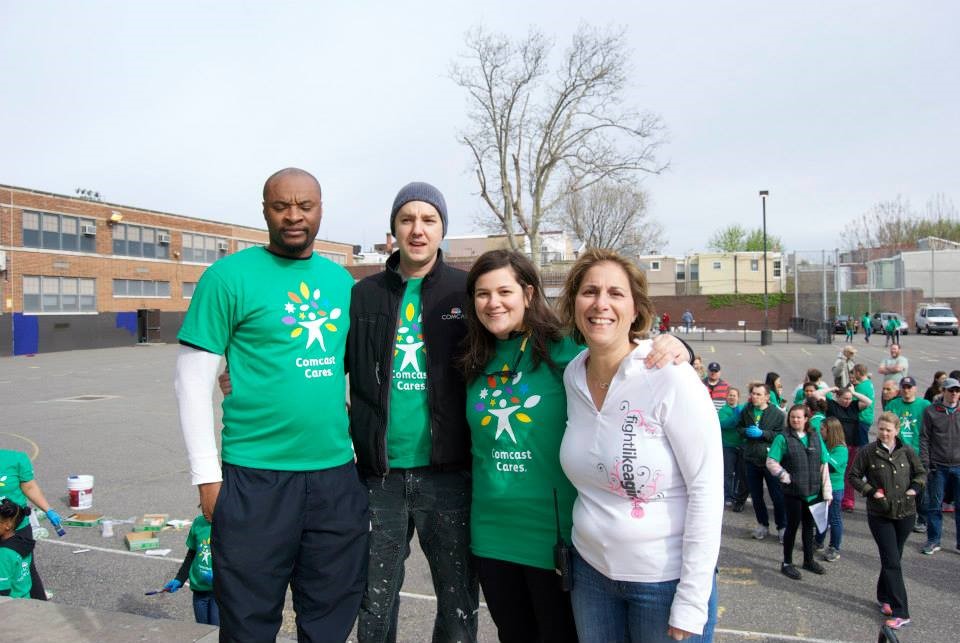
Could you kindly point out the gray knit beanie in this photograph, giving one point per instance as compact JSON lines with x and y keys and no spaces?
{"x":418,"y":191}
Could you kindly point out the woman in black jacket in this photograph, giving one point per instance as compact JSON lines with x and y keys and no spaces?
{"x":889,"y":474}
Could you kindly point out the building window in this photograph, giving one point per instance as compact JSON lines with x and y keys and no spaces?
{"x":754,"y":265}
{"x":654,"y":266}
{"x":716,"y":265}
{"x":694,"y":271}
{"x":59,"y":232}
{"x":681,"y":271}
{"x":335,"y":257}
{"x":199,"y":248}
{"x":140,"y":288}
{"x":243,"y":245}
{"x":59,"y":295}
{"x":188,"y":288}
{"x":776,"y":267}
{"x":139,"y":241}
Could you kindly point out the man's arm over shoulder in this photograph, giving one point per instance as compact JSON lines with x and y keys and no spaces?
{"x":196,"y":377}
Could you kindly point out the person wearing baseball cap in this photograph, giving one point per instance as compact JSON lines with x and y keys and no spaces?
{"x":909,"y":407}
{"x":940,"y":454}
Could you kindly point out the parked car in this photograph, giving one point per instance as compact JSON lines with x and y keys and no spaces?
{"x":935,"y":318}
{"x":840,"y":324}
{"x":879,"y":321}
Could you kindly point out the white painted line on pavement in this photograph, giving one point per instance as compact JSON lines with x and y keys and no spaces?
{"x":748,"y":634}
{"x":136,"y":554}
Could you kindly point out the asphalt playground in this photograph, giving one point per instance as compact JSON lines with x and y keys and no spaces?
{"x":111,"y":413}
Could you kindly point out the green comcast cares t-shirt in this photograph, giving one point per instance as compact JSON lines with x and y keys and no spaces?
{"x":408,"y":432}
{"x":15,"y":573}
{"x":910,"y":416}
{"x":517,"y":421}
{"x":15,"y":468}
{"x":282,"y":324}
{"x":201,"y":570}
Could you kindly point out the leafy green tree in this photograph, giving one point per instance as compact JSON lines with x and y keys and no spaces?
{"x":736,"y":238}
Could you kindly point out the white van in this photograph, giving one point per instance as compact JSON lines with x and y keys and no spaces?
{"x":935,"y":318}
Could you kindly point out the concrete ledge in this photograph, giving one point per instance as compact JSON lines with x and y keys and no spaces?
{"x":27,"y":621}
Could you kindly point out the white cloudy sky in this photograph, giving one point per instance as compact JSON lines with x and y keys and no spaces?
{"x":187,"y":107}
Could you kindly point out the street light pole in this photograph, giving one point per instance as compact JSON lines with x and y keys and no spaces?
{"x":766,"y":337}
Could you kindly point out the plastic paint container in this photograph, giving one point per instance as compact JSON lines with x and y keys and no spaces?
{"x":80,"y":490}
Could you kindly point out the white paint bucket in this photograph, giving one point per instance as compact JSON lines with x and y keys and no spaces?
{"x":80,"y":490}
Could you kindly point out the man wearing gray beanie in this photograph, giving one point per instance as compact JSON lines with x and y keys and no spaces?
{"x":408,"y":421}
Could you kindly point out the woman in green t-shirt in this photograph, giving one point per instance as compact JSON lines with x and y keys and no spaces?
{"x":514,"y":357}
{"x":515,"y":353}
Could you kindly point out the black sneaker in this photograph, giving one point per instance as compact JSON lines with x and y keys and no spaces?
{"x":790,"y":571}
{"x":814,"y":567}
{"x":737,"y":507}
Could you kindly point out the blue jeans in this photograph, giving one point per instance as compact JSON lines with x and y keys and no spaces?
{"x":205,"y":608}
{"x":755,"y":477}
{"x":938,"y":478}
{"x":437,"y":506}
{"x":834,"y":522}
{"x":607,"y":610}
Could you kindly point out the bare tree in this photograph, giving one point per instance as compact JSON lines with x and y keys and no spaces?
{"x":614,"y":216}
{"x":537,"y":137}
{"x":894,"y":224}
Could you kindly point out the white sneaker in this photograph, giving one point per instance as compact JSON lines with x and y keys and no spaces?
{"x":780,"y":533}
{"x":760,"y":532}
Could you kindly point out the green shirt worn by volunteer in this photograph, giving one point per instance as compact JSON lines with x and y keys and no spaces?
{"x":516,"y":425}
{"x":910,"y":415}
{"x":779,"y":447}
{"x":729,"y":417}
{"x":408,"y":430}
{"x":201,"y":569}
{"x":14,"y":574}
{"x":866,"y":388}
{"x":837,"y":462}
{"x":282,"y":324}
{"x":816,"y":420}
{"x":15,"y":469}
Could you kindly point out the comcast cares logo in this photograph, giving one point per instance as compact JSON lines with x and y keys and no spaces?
{"x":306,"y":310}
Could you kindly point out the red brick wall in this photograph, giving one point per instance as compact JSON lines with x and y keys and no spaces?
{"x":726,"y":317}
{"x":103,"y":266}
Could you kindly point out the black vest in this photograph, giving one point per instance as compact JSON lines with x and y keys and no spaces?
{"x":803,"y":463}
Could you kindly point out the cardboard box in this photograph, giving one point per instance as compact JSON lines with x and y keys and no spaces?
{"x":83,"y":520}
{"x":138,"y":540}
{"x":150,"y":522}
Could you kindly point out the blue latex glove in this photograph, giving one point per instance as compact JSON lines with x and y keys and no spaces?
{"x":172,"y":586}
{"x":54,"y":519}
{"x":753,"y":432}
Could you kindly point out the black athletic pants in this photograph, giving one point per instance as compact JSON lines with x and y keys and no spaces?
{"x":526,"y":603}
{"x":798,"y":516}
{"x":891,"y":536}
{"x":306,"y":529}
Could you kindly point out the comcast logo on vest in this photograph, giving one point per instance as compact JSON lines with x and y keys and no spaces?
{"x":455,"y":313}
{"x":306,"y":310}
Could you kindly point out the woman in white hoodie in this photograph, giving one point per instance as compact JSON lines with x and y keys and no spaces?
{"x":643,"y":449}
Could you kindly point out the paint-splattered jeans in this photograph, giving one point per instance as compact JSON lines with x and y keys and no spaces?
{"x":437,"y":505}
